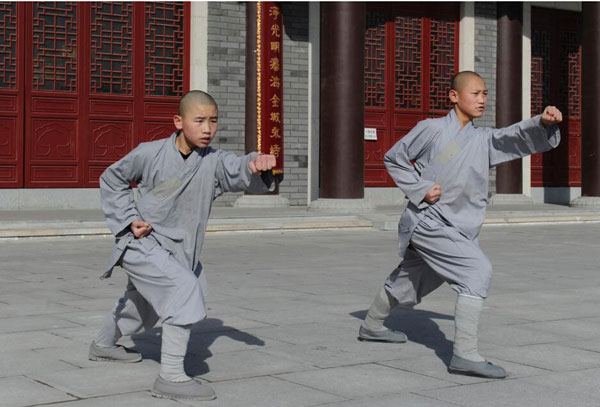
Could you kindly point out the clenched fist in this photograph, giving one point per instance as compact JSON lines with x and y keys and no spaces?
{"x":434,"y":194}
{"x":140,"y":228}
{"x":551,"y":115}
{"x":261,"y":163}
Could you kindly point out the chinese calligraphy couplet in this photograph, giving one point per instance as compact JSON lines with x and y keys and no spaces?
{"x":269,"y":88}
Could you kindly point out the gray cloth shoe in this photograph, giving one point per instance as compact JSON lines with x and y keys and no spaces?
{"x":388,"y":335}
{"x":117,"y":354}
{"x":459,"y":365}
{"x":184,"y":390}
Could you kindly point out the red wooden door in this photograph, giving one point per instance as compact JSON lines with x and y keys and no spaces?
{"x":556,"y":80}
{"x":100,"y":78}
{"x":411,"y":54}
{"x":11,"y":95}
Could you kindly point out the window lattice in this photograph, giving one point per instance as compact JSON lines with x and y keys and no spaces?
{"x":541,"y":73}
{"x":164,"y":49}
{"x":442,"y":37}
{"x":55,"y":46}
{"x":8,"y":45}
{"x":408,"y":62}
{"x":112,"y":36}
{"x":570,"y":72}
{"x":375,"y":60}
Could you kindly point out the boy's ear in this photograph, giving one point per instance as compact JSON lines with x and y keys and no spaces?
{"x":178,"y":122}
{"x":453,"y":96}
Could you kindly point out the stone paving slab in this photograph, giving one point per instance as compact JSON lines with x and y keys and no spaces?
{"x":20,"y":341}
{"x":24,"y":362}
{"x":265,"y":392}
{"x":243,"y":364}
{"x":285,"y":308}
{"x":394,"y":400}
{"x":356,"y":381}
{"x":33,"y":323}
{"x":143,"y":398}
{"x":548,"y":356}
{"x":510,"y":393}
{"x":20,"y":391}
{"x":584,"y":382}
{"x":104,"y":379}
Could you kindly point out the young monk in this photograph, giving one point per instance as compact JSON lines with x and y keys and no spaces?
{"x":447,"y":189}
{"x":159,"y":236}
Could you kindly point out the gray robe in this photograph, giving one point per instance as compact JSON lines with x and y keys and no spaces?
{"x":459,"y":161}
{"x":175,"y":198}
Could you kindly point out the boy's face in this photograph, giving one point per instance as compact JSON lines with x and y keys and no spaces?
{"x":198,"y":125}
{"x":472,"y":98}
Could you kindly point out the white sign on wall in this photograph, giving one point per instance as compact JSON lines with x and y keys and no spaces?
{"x":370,"y":133}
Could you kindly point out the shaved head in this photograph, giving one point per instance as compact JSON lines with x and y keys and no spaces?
{"x":462,"y":78}
{"x":193,"y":98}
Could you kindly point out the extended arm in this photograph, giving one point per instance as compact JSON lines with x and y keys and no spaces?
{"x":244,"y":173}
{"x":535,"y":135}
{"x":398,"y":163}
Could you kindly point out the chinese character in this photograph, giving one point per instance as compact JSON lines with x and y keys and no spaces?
{"x":275,"y":46}
{"x":275,"y":101}
{"x":275,"y":82}
{"x":274,"y":64}
{"x":276,"y":118}
{"x":276,"y":31}
{"x":275,"y":132}
{"x":275,"y":150}
{"x":274,"y":11}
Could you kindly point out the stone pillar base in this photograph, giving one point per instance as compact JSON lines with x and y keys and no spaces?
{"x":261,"y":201}
{"x":586,"y":202}
{"x":341,"y":205}
{"x":510,"y":199}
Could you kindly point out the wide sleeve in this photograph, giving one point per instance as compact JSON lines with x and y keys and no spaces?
{"x":522,"y":139}
{"x":234,"y":175}
{"x":398,"y":162}
{"x":116,"y":194}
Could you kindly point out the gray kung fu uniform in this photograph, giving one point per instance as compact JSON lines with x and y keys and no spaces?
{"x":175,"y":198}
{"x":438,"y":242}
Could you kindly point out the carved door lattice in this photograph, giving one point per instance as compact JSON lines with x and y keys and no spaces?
{"x":411,"y":53}
{"x":556,"y":80}
{"x":164,"y":49}
{"x":55,"y":46}
{"x":75,"y":93}
{"x":112,"y":48}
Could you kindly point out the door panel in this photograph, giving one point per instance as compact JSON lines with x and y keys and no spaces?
{"x":11,"y":95}
{"x":83,"y":83}
{"x":556,"y":80}
{"x":411,"y":54}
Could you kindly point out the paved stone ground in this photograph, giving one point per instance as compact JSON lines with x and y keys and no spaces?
{"x":284,"y":314}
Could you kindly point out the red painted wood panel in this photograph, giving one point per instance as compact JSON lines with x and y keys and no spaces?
{"x":411,"y":53}
{"x":556,"y":80}
{"x":83,"y":83}
{"x":11,"y":94}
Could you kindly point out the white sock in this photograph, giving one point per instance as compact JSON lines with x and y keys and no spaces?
{"x":379,"y":310}
{"x":109,"y":333}
{"x":175,"y":340}
{"x":466,"y":321}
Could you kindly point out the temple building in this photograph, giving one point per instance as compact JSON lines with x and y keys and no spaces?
{"x":327,"y":87}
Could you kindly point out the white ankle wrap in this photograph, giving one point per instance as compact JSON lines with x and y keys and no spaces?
{"x":466,"y":321}
{"x":175,"y":340}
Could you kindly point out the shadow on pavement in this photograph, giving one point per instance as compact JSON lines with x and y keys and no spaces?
{"x":202,"y":337}
{"x":420,"y":327}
